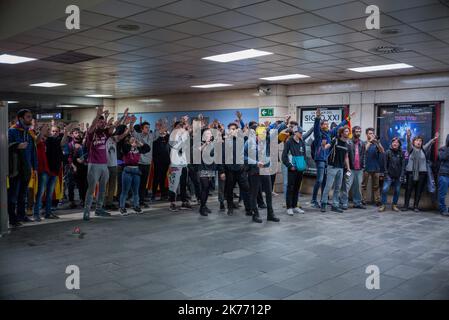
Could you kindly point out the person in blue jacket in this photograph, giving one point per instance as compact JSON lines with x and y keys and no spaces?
{"x":322,"y":137}
{"x":22,"y":162}
{"x":443,"y":176}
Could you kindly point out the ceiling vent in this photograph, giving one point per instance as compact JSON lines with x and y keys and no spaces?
{"x":387,"y":49}
{"x":390,"y":31}
{"x":71,"y":57}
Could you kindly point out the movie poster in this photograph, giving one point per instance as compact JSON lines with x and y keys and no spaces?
{"x":394,"y":120}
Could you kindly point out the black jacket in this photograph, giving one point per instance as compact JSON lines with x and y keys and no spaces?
{"x":351,"y":153}
{"x":161,"y":150}
{"x":443,"y":159}
{"x":394,"y":163}
{"x":295,"y":148}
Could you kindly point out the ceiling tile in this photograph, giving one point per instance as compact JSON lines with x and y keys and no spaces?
{"x":103,"y":34}
{"x":326,"y":30}
{"x":116,"y":8}
{"x":421,"y":13}
{"x":195,"y":28}
{"x":432,"y":25}
{"x":268,"y":10}
{"x":403,"y":30}
{"x":369,"y":45}
{"x":351,"y":54}
{"x":97,"y":51}
{"x":289,"y":37}
{"x":193,"y":9}
{"x":229,"y":19}
{"x":343,"y":12}
{"x":314,"y":43}
{"x":226,"y":36}
{"x":359,"y":24}
{"x":349,"y":37}
{"x":333,"y":49}
{"x":165,"y":35}
{"x":197,"y":42}
{"x":115,"y":26}
{"x":261,"y":29}
{"x":388,"y":5}
{"x":79,"y":39}
{"x":300,"y":21}
{"x":441,"y":34}
{"x":115,"y":46}
{"x":137,"y":41}
{"x":157,"y":18}
{"x":412,"y":38}
{"x":310,"y":5}
{"x":254,"y":43}
{"x":150,"y":3}
{"x":126,"y":57}
{"x":233,"y":4}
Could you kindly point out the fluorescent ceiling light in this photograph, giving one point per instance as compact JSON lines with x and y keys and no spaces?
{"x":239,"y":55}
{"x":286,"y":77}
{"x":213,"y":85}
{"x":11,"y":59}
{"x":382,"y":67}
{"x":150,"y":100}
{"x":98,"y":95}
{"x":68,"y":106}
{"x":12,"y":102}
{"x":47,"y":84}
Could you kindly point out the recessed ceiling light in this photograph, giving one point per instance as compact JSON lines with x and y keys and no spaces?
{"x":12,"y":102}
{"x":150,"y":100}
{"x":239,"y":55}
{"x":382,"y":67}
{"x":47,"y":84}
{"x":286,"y":77}
{"x":213,"y":85}
{"x":11,"y":59}
{"x":98,"y":95}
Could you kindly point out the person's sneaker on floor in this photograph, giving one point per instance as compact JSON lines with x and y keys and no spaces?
{"x":15,"y":224}
{"x":73,"y":205}
{"x":395,"y":208}
{"x":207,"y":209}
{"x":403,"y":209}
{"x":298,"y":210}
{"x":262,"y":206}
{"x":27,"y":219}
{"x":274,"y":194}
{"x":290,"y":212}
{"x":336,"y":209}
{"x":230,"y":211}
{"x":173,"y":207}
{"x":145,"y":205}
{"x":323,"y":207}
{"x":381,"y":208}
{"x":138,"y":210}
{"x":124,"y":212}
{"x":186,"y":206}
{"x":102,"y":213}
{"x":51,"y":216}
{"x":315,"y":205}
{"x":444,"y":213}
{"x":359,"y":206}
{"x":203,"y":211}
{"x":256,"y":218}
{"x":222,"y":206}
{"x":248,"y":212}
{"x":37,"y":218}
{"x":271,"y":217}
{"x":86,"y":216}
{"x":416,"y":209}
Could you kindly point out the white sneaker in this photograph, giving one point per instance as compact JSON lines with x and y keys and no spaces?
{"x":298,"y":210}
{"x":290,"y":212}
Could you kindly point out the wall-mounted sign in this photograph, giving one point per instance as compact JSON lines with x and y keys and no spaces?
{"x":267,"y":112}
{"x":49,"y":116}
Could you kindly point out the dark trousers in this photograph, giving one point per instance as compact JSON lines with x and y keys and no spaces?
{"x":81,"y":181}
{"x":182,"y":187}
{"x":194,"y":180}
{"x":145,"y":171}
{"x":257,"y":181}
{"x":70,"y":181}
{"x":241,"y":178}
{"x":293,"y":185}
{"x":160,"y":174}
{"x":273,"y":179}
{"x":416,"y":186}
{"x":205,"y":187}
{"x":16,"y":199}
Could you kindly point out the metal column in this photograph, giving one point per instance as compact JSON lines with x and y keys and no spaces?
{"x":4,"y":121}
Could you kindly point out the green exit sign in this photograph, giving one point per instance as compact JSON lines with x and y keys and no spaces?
{"x":267,"y":112}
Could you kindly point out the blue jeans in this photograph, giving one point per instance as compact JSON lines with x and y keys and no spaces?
{"x":334,"y":179}
{"x":320,"y":180}
{"x":396,"y":184}
{"x":352,"y":183}
{"x":46,"y":184}
{"x":443,"y":185}
{"x":130,"y":180}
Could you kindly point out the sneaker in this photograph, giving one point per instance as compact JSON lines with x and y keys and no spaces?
{"x":382,"y":208}
{"x":262,"y":206}
{"x":51,"y":216}
{"x":203,"y":211}
{"x":207,"y":209}
{"x":315,"y":205}
{"x":102,"y":213}
{"x":37,"y":218}
{"x":73,"y":205}
{"x":272,"y":217}
{"x":336,"y":209}
{"x":344,"y":208}
{"x":15,"y":224}
{"x":416,"y":210}
{"x":359,"y":206}
{"x":298,"y":210}
{"x":186,"y":206}
{"x":230,"y":212}
{"x":27,"y":219}
{"x":290,"y":212}
{"x":323,"y":207}
{"x":274,"y":194}
{"x":256,"y":218}
{"x":446,"y":214}
{"x":144,"y":205}
{"x":138,"y":210}
{"x":124,"y":212}
{"x":86,"y":216}
{"x":395,"y":208}
{"x":173,"y":207}
{"x":248,"y":213}
{"x":403,"y":209}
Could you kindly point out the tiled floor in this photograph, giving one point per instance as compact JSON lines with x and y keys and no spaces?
{"x":164,"y":255}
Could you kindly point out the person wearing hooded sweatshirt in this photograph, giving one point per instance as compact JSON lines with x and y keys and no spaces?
{"x":394,"y":165}
{"x":416,"y":169}
{"x":296,"y":164}
{"x":443,"y":176}
{"x":322,"y":137}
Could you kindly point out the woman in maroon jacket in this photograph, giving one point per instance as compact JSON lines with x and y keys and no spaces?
{"x":132,"y":149}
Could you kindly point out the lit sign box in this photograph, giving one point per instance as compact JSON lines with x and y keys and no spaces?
{"x":49,"y":116}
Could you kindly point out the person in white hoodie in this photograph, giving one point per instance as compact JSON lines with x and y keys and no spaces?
{"x":145,"y":136}
{"x":179,"y":144}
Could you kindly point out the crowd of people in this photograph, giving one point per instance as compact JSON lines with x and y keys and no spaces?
{"x":124,"y":165}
